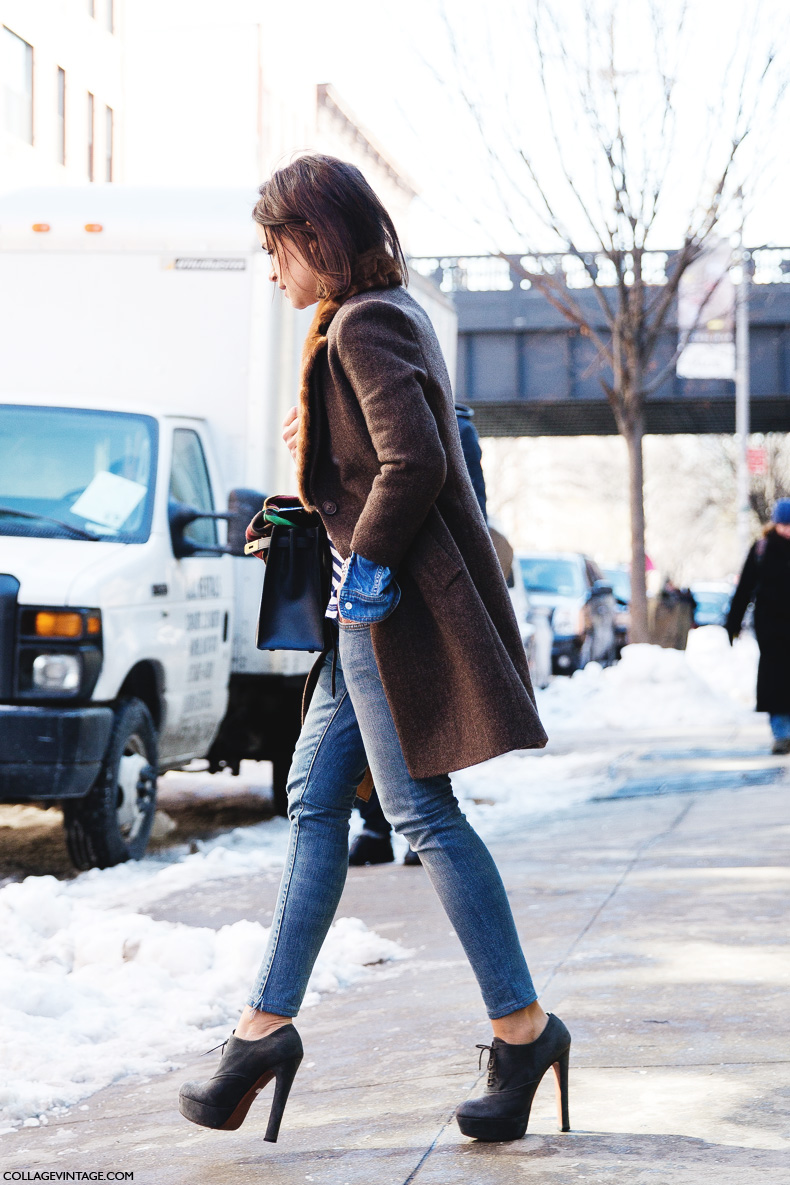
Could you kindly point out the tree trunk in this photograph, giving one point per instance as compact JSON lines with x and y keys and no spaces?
{"x":633,"y":438}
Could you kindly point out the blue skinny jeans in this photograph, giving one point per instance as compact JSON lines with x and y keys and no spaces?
{"x":342,"y":734}
{"x":780,"y":727}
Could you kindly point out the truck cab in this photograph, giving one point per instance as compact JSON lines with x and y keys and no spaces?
{"x":116,"y":603}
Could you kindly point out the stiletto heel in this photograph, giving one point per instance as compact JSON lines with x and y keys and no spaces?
{"x":283,"y":1081}
{"x":561,"y":1085}
{"x":246,"y":1067}
{"x":514,"y":1074}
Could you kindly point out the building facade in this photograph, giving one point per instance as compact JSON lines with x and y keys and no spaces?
{"x":61,"y":92}
{"x":212,"y":99}
{"x":167,"y":92}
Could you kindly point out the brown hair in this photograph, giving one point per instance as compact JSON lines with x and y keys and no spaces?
{"x":325,"y":208}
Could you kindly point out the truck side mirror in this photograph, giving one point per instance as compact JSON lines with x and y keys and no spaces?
{"x":243,"y":505}
{"x":180,"y":516}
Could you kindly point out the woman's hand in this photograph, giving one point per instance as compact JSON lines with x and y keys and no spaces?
{"x":291,"y":431}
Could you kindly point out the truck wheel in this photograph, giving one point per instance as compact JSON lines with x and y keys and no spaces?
{"x":112,"y":822}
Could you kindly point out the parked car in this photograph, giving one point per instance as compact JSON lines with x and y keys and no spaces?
{"x":712,"y":601}
{"x":582,"y":606}
{"x":620,"y":580}
{"x":535,"y":625}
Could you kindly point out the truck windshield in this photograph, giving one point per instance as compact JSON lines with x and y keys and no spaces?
{"x":92,"y":471}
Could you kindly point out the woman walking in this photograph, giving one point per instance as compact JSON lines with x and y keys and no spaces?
{"x":765,"y":579}
{"x":426,"y":673}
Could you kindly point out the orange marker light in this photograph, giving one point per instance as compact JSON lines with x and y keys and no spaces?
{"x":41,"y":227}
{"x":94,"y":624}
{"x":94,"y":227}
{"x":58,"y":625}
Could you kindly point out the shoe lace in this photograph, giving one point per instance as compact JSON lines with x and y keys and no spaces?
{"x":491,"y":1067}
{"x":221,"y":1046}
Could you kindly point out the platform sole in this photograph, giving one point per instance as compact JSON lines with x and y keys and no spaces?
{"x":220,"y":1118}
{"x":492,"y":1130}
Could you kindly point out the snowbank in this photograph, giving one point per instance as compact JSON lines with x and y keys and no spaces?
{"x":707,"y":686}
{"x":90,"y":994}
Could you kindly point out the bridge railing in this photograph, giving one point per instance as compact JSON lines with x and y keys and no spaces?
{"x":495,"y":273}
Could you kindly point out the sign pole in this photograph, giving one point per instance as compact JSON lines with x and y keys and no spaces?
{"x":743,"y":509}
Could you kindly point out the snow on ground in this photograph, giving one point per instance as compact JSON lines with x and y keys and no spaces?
{"x":90,"y":994}
{"x":709,"y":685}
{"x":706,"y":687}
{"x":92,"y":990}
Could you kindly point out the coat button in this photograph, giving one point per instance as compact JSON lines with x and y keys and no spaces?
{"x":329,"y":507}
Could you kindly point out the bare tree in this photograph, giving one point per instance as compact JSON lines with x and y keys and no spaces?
{"x":601,"y":206}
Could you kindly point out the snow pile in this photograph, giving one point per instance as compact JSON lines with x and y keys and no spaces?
{"x":498,"y":794}
{"x":89,"y":995}
{"x":244,"y":851}
{"x":707,"y":686}
{"x":728,"y":670}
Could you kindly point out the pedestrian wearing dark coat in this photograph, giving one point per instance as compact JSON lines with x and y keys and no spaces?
{"x":765,"y":579}
{"x":473,"y":455}
{"x":428,"y":673}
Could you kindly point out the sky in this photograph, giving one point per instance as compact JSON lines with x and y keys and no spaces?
{"x":394,"y":64}
{"x":452,"y":90}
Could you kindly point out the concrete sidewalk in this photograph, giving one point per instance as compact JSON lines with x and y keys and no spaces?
{"x":656,"y":926}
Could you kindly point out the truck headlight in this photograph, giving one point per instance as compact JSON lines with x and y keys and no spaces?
{"x":56,"y":672}
{"x":59,"y":652}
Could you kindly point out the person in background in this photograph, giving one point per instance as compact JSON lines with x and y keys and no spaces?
{"x":765,"y":579}
{"x":674,"y":616}
{"x":373,"y":845}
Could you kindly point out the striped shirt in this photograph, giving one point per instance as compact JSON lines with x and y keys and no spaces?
{"x":337,"y":579}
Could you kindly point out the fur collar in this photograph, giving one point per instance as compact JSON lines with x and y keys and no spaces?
{"x":375,"y":269}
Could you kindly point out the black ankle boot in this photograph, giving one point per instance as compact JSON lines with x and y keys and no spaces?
{"x":246,"y":1066}
{"x":371,"y":848}
{"x":514,"y":1072}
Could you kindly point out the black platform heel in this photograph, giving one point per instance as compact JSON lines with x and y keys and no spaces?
{"x":246,"y":1067}
{"x":514,"y":1074}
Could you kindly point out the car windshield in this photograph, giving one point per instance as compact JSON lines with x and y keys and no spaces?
{"x":620,"y":582}
{"x":712,"y":602}
{"x":545,"y":574}
{"x":67,"y":473}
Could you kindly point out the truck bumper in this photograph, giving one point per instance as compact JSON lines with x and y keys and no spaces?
{"x":47,"y":754}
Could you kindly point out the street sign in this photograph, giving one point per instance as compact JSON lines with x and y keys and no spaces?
{"x":706,"y":316}
{"x":757,"y":460}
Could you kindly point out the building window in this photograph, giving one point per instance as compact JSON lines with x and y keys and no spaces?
{"x":61,"y":118}
{"x":110,"y":16}
{"x":108,"y":138}
{"x":17,"y":70}
{"x":91,"y":136}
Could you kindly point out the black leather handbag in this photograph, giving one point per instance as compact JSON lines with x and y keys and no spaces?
{"x":298,"y":576}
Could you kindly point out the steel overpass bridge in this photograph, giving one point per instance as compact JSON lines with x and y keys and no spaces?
{"x":527,"y":372}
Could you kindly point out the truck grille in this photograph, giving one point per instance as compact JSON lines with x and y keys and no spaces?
{"x":9,"y":591}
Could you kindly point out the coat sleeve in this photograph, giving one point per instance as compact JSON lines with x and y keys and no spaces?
{"x":743,"y":593}
{"x":383,"y":362}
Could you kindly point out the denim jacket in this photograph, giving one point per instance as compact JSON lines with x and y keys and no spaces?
{"x":367,"y":592}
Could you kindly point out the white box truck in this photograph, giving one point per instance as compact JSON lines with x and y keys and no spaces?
{"x":145,"y":368}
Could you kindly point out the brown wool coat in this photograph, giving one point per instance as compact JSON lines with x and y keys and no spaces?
{"x":380,"y":459}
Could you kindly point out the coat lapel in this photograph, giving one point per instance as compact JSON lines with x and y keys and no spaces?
{"x":375,"y":269}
